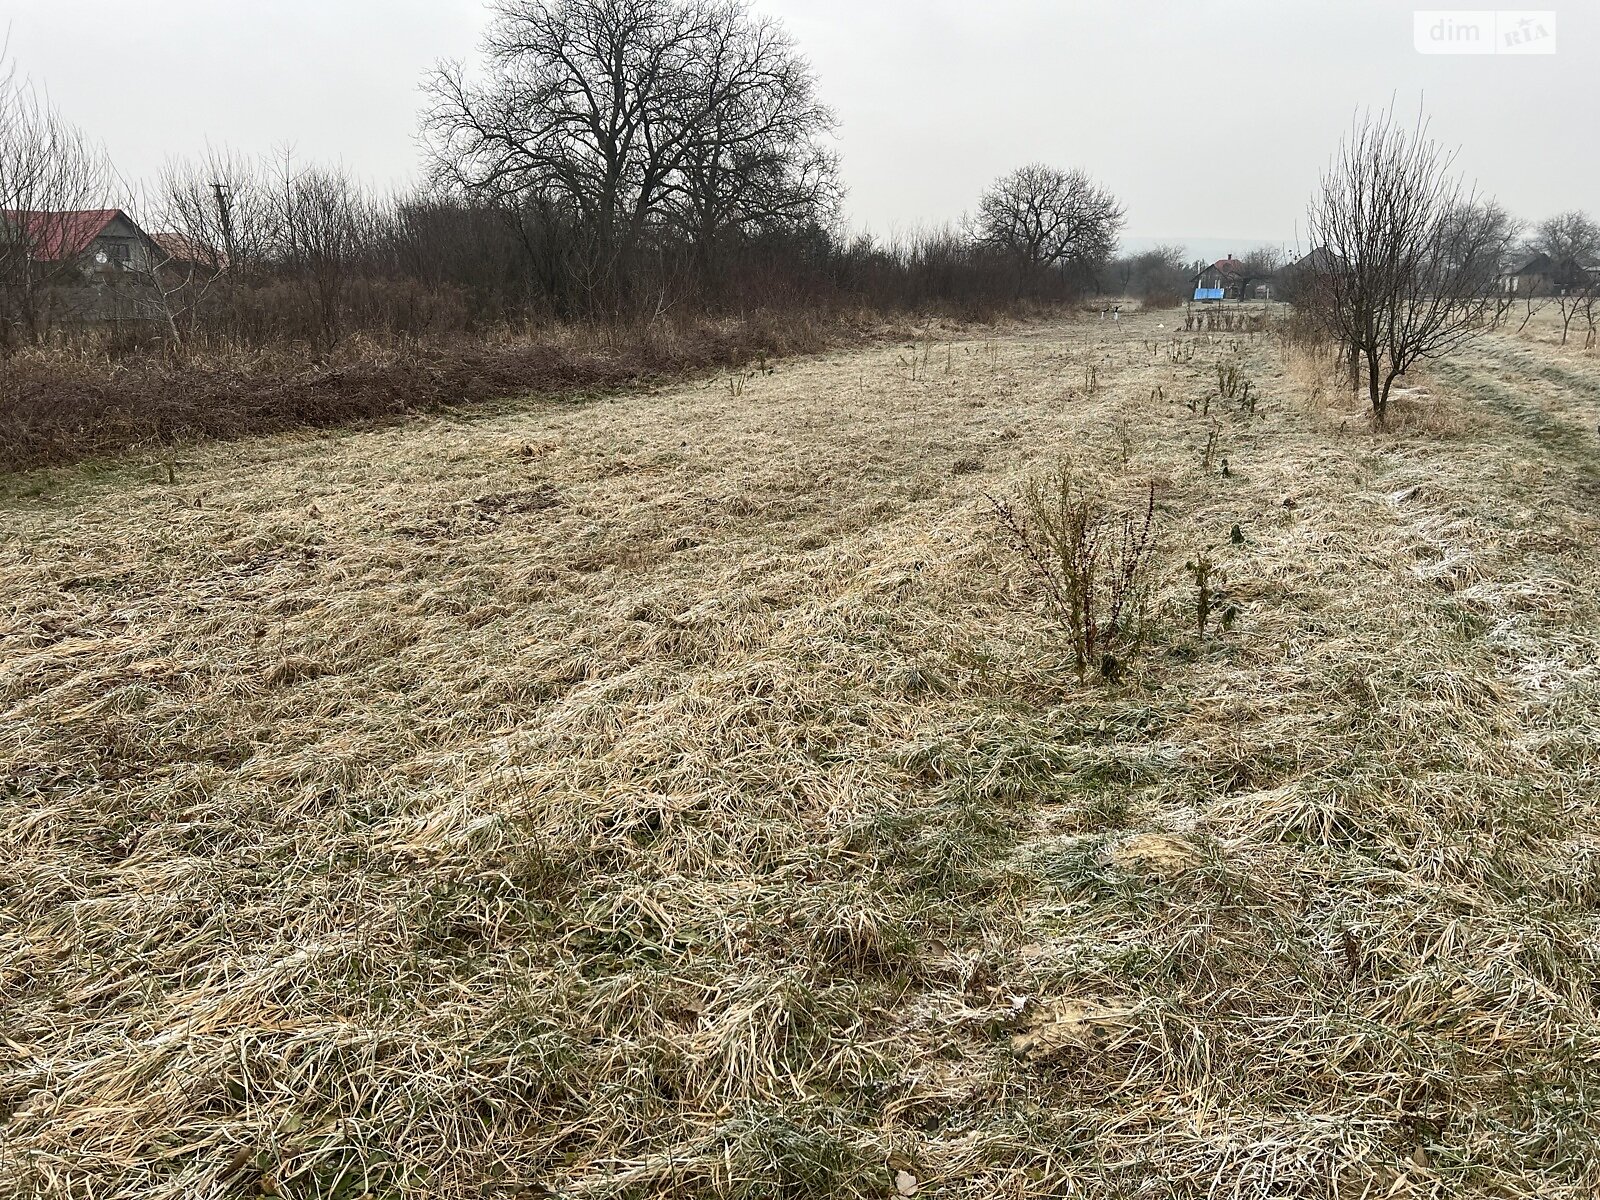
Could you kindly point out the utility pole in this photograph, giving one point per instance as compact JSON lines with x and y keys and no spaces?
{"x":225,"y":218}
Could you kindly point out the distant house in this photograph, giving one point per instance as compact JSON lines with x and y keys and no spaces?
{"x":1320,"y":259}
{"x":95,"y":263}
{"x":1528,"y":276}
{"x":179,"y":254}
{"x":1228,"y":279}
{"x":95,"y":241}
{"x":1540,"y":275}
{"x":1291,"y":280}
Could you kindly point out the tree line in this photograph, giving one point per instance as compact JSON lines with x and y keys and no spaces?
{"x":605,"y":160}
{"x":634,"y":160}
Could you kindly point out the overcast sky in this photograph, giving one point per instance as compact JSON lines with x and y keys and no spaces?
{"x":1209,"y":118}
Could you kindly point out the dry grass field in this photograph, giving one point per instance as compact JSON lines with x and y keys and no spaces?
{"x":686,"y":794}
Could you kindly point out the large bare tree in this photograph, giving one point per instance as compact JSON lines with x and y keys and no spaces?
{"x":618,"y":115}
{"x":1046,"y":217}
{"x":1410,"y":254}
{"x":752,"y":160}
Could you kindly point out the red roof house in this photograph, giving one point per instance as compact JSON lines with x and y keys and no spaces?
{"x":64,"y":237}
{"x":1226,"y":279}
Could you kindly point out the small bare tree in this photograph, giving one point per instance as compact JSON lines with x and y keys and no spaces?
{"x":1046,"y":217}
{"x":203,"y":221}
{"x":320,"y":223}
{"x":1534,"y":301}
{"x":1412,"y":254}
{"x":1263,"y":262}
{"x":218,"y":204}
{"x":47,"y":169}
{"x":1571,"y":242}
{"x":1591,"y":314}
{"x":1156,"y":275}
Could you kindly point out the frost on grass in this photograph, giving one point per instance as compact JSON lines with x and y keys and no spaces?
{"x":687,"y":795}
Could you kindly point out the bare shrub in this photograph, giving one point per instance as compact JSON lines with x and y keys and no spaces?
{"x":1301,"y":330}
{"x":1157,"y":278}
{"x":57,"y":407}
{"x":1092,"y":558}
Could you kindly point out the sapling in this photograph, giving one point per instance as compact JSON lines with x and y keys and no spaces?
{"x":1201,"y":567}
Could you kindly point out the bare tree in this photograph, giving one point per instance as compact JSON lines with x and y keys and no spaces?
{"x":1477,"y":235}
{"x":1534,"y":300}
{"x":205,"y":222}
{"x":48,"y":169}
{"x":752,"y":160}
{"x":219,"y":205}
{"x":1507,"y":230}
{"x":320,"y":223}
{"x":1411,"y":253}
{"x":616,"y":115}
{"x":1570,"y":237}
{"x":1157,"y":274}
{"x":1571,"y":242}
{"x":1590,"y":311}
{"x":1575,"y":299}
{"x":572,"y":115}
{"x":1047,"y":217}
{"x":1263,"y":261}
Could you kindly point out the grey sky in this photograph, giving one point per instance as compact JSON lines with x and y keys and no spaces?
{"x":1210,"y":118}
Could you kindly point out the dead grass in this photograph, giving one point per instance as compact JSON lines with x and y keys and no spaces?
{"x":60,"y":405}
{"x":683,"y":795}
